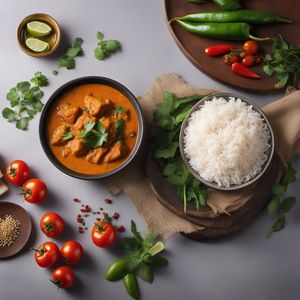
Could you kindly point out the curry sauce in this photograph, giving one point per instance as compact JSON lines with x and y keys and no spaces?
{"x":92,"y":129}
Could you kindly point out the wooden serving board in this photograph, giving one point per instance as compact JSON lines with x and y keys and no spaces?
{"x":193,"y":46}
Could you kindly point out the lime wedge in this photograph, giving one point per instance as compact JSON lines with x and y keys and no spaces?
{"x":38,"y":29}
{"x":158,"y":247}
{"x":37,"y":45}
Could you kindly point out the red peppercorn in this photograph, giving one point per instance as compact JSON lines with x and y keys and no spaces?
{"x":98,"y":219}
{"x":116,"y":216}
{"x":105,"y":214}
{"x":82,"y":210}
{"x":107,"y":201}
{"x":79,"y":216}
{"x":76,"y":200}
{"x":120,"y":228}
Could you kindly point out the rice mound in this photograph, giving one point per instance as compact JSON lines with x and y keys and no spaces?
{"x":226,"y":141}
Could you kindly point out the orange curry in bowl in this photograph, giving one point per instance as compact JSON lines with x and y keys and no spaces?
{"x":92,"y":128}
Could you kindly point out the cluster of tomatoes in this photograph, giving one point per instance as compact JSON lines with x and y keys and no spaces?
{"x":240,"y":59}
{"x":48,"y":254}
{"x":34,"y":190}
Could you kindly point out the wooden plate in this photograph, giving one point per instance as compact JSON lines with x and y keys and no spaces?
{"x":17,"y":212}
{"x":193,"y":46}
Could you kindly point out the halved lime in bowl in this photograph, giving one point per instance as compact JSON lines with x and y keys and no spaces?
{"x":38,"y":29}
{"x":37,"y":45}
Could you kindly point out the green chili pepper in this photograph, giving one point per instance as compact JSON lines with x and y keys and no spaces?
{"x":243,"y":15}
{"x":131,"y":286}
{"x":117,"y":270}
{"x":223,"y":31}
{"x":228,"y":4}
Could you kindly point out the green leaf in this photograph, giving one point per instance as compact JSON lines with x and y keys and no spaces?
{"x":180,"y":101}
{"x":38,"y":106}
{"x":145,"y":273}
{"x":287,"y":204}
{"x":22,"y":123}
{"x":9,"y":114}
{"x":120,"y":110}
{"x":273,"y":205}
{"x":278,"y":189}
{"x":89,"y":126}
{"x":167,"y":152}
{"x":182,"y":114}
{"x":279,"y":224}
{"x":39,"y":79}
{"x":169,"y":169}
{"x":289,"y":175}
{"x":13,"y":97}
{"x":175,"y":180}
{"x":99,"y":53}
{"x":131,"y":244}
{"x":100,"y":36}
{"x":23,"y":86}
{"x":135,"y":233}
{"x":67,"y":136}
{"x":158,"y":261}
{"x":66,"y":62}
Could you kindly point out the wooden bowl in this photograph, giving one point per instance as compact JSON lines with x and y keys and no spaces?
{"x":19,"y":213}
{"x":54,"y":37}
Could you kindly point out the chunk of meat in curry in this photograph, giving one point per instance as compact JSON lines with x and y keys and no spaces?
{"x":77,"y":147}
{"x":117,"y":151}
{"x":68,"y":112}
{"x":97,"y":105}
{"x":57,"y":138}
{"x":95,"y":156}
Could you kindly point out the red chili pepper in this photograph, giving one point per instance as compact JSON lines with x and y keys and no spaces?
{"x":218,"y":49}
{"x":107,"y":201}
{"x":241,"y":70}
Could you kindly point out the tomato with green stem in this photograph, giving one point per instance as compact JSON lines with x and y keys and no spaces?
{"x":103,"y":234}
{"x":47,"y":254}
{"x":250,"y":47}
{"x":63,"y":277}
{"x":34,"y":190}
{"x":71,"y":252}
{"x":52,"y":224}
{"x":17,"y":172}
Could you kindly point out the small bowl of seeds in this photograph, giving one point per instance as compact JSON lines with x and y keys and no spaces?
{"x":38,"y":35}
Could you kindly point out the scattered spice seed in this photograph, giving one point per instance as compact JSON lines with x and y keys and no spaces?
{"x":105,"y":214}
{"x":79,"y":216}
{"x":116,"y":216}
{"x":82,"y":210}
{"x":101,"y":208}
{"x":76,"y":200}
{"x":107,"y":201}
{"x":98,"y":219}
{"x":120,"y":228}
{"x":86,"y":215}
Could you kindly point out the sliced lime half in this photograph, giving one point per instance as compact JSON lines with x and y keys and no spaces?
{"x":38,"y":29}
{"x":155,"y":249}
{"x":37,"y":45}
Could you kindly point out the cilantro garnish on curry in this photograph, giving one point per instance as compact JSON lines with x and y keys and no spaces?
{"x":92,"y":128}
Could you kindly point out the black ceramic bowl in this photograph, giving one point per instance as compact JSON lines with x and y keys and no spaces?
{"x":66,"y":87}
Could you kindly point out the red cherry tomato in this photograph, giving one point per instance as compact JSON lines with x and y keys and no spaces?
{"x":63,"y":277}
{"x":71,"y":252}
{"x":248,"y":60}
{"x":17,"y":172}
{"x":52,"y":224}
{"x":230,"y":59}
{"x":103,"y":234}
{"x":47,"y":254}
{"x":250,"y":47}
{"x":34,"y":190}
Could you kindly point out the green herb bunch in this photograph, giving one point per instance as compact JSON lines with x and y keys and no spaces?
{"x":279,"y":204}
{"x":25,"y":101}
{"x":283,"y":63}
{"x":94,"y":133}
{"x":139,"y":262}
{"x":105,"y":48}
{"x":68,"y":59}
{"x":168,"y":116}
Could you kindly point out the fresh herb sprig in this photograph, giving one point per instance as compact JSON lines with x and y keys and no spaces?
{"x":68,"y":59}
{"x":279,"y":204}
{"x":105,"y":48}
{"x":94,"y":133}
{"x":25,"y":101}
{"x":168,"y":116}
{"x":139,"y":262}
{"x":283,"y":63}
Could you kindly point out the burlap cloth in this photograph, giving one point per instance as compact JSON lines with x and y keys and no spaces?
{"x":284,"y":116}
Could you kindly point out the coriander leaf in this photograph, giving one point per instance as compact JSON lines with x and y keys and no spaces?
{"x":77,"y":42}
{"x":278,"y":189}
{"x":23,"y":86}
{"x":273,"y":205}
{"x":66,"y":62}
{"x":180,"y":101}
{"x":131,"y":244}
{"x":144,"y":272}
{"x":9,"y":114}
{"x":167,"y":152}
{"x":289,"y":175}
{"x":182,"y":114}
{"x":135,"y":233}
{"x":22,"y":123}
{"x":120,"y":110}
{"x":279,"y":224}
{"x":287,"y":204}
{"x":39,"y":79}
{"x":100,"y":128}
{"x":89,"y":126}
{"x":158,"y":261}
{"x":99,"y":54}
{"x":38,"y":106}
{"x":169,"y":169}
{"x":175,"y":180}
{"x":100,"y":36}
{"x":13,"y":96}
{"x":67,"y":136}
{"x":119,"y":125}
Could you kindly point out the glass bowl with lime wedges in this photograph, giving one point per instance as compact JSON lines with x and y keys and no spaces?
{"x":38,"y":35}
